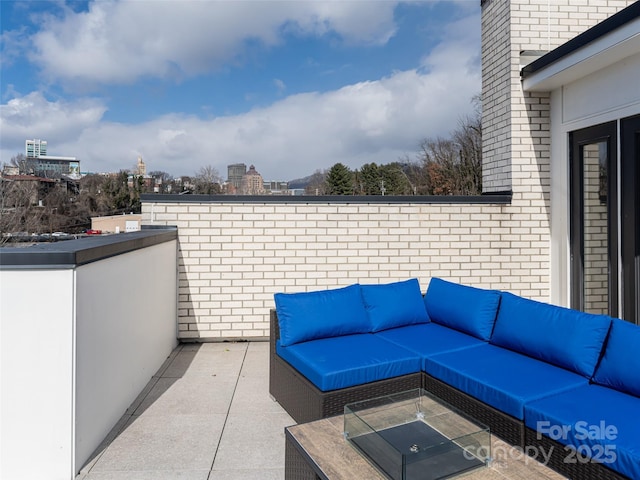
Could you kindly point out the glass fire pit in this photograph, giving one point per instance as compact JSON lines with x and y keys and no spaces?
{"x":415,"y":436}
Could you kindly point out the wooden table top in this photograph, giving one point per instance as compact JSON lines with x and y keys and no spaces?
{"x":324,"y":442}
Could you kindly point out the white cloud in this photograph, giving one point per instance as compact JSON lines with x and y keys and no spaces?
{"x":454,"y":53}
{"x":376,"y":121}
{"x":33,"y":116}
{"x":280,"y":85}
{"x":121,"y":41}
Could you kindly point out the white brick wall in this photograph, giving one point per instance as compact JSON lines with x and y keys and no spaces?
{"x":496,"y":107}
{"x":515,"y":124}
{"x":234,"y":256}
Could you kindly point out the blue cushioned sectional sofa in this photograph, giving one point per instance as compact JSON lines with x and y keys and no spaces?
{"x":563,"y":384}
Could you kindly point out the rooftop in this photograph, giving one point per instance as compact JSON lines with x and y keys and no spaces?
{"x":207,"y":414}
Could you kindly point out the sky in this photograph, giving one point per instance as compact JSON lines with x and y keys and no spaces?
{"x":291,"y":87}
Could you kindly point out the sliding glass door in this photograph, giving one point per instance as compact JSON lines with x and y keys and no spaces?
{"x":604,"y":225}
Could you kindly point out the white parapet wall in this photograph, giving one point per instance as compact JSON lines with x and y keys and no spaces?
{"x":84,"y":327}
{"x":236,"y":252}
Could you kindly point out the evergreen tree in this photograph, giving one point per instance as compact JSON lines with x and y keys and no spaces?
{"x":339,"y":180}
{"x":370,"y":179}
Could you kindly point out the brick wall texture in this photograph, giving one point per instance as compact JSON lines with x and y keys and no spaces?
{"x":235,"y":256}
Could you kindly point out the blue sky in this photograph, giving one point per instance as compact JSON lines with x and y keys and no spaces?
{"x":289,"y":86}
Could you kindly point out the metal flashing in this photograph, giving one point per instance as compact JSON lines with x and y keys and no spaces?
{"x":73,"y":253}
{"x":499,"y":198}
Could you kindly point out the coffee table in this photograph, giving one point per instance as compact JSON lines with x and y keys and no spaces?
{"x":318,"y":450}
{"x":414,"y":435}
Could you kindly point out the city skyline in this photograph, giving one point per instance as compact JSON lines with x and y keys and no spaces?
{"x":294,"y":87}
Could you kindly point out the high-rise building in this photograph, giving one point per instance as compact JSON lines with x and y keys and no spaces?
{"x":35,"y":148}
{"x":252,"y":182}
{"x":235,"y":173}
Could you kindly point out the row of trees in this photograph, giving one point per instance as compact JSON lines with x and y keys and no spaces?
{"x":444,"y":166}
{"x":44,"y":205}
{"x":41,"y":205}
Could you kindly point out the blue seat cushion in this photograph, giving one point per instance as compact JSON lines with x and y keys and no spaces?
{"x":563,"y":337}
{"x":468,"y":309}
{"x":604,"y":421}
{"x":499,"y":377}
{"x":320,"y":314}
{"x":395,"y":304}
{"x":429,"y":339}
{"x":620,"y":365}
{"x":339,"y":362}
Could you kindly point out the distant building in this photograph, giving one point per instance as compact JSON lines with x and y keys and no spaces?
{"x":35,"y":148}
{"x":141,"y":167}
{"x":229,"y":189}
{"x":55,"y":167}
{"x":117,"y":223}
{"x":235,"y":173}
{"x":10,"y":170}
{"x":276,"y":187}
{"x":185,"y":184}
{"x":252,"y":182}
{"x":48,"y":166}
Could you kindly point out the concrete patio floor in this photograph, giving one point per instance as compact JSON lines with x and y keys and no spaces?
{"x":205,"y":415}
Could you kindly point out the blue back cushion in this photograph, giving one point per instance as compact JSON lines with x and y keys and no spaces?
{"x":620,"y":365}
{"x":468,"y":309}
{"x":566,"y":338}
{"x":327,"y":313}
{"x":394,"y":304}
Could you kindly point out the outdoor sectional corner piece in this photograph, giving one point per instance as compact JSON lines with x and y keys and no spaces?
{"x":563,"y":384}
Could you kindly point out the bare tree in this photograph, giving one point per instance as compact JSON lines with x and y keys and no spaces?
{"x":453,"y":166}
{"x":207,"y":181}
{"x":19,"y":210}
{"x":468,"y":139}
{"x":25,"y":166}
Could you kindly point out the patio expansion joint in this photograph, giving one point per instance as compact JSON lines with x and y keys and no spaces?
{"x":226,"y":417}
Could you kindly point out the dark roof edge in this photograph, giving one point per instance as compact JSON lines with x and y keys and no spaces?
{"x":615,"y":21}
{"x":498,"y":197}
{"x":74,"y":253}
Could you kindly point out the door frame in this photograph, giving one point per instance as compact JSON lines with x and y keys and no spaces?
{"x":607,"y":132}
{"x":630,"y":210}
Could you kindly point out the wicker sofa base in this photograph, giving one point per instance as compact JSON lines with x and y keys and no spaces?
{"x":566,"y":462}
{"x":305,"y":402}
{"x":510,"y":429}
